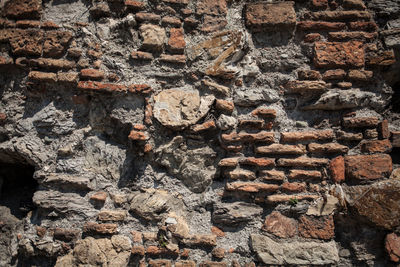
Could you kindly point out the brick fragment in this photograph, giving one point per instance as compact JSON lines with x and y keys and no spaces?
{"x":320,"y":4}
{"x":392,"y":246}
{"x":27,"y":24}
{"x":52,"y":64}
{"x":3,"y":117}
{"x":254,"y":124}
{"x":240,"y":174}
{"x":180,"y":2}
{"x":317,"y":227}
{"x":197,"y":240}
{"x":345,"y":136}
{"x":339,"y":54}
{"x":368,"y":167}
{"x":104,"y":228}
{"x":155,"y":251}
{"x":328,"y":148}
{"x":336,"y":167}
{"x":360,"y":75}
{"x":265,"y":16}
{"x":218,"y":253}
{"x":360,"y":122}
{"x":376,"y":146}
{"x":320,"y":26}
{"x":140,"y":55}
{"x":383,"y":128}
{"x":177,"y":59}
{"x":42,"y":76}
{"x":370,"y":134}
{"x":280,"y":149}
{"x":304,"y":175}
{"x":258,"y":162}
{"x":138,"y":250}
{"x":312,"y":37}
{"x":344,"y":16}
{"x":218,"y":232}
{"x":217,"y":88}
{"x":310,"y":75}
{"x":337,"y":74}
{"x":307,"y":136}
{"x":26,"y":42}
{"x":228,"y":162}
{"x":206,"y":126}
{"x":395,"y":138}
{"x":5,"y":61}
{"x":140,"y":89}
{"x":248,"y":137}
{"x":92,"y":74}
{"x":74,"y":52}
{"x":49,"y":25}
{"x":56,"y":43}
{"x":147,"y":17}
{"x":224,"y":106}
{"x":99,"y":196}
{"x":176,"y":42}
{"x":211,"y":7}
{"x":280,"y":225}
{"x":302,"y":162}
{"x":65,"y":234}
{"x":249,"y":187}
{"x":346,"y":36}
{"x":268,"y":175}
{"x":172,"y":21}
{"x":354,"y":4}
{"x":306,"y":87}
{"x":134,"y":5}
{"x":23,"y":9}
{"x":294,"y":187}
{"x":68,"y":77}
{"x":213,"y":264}
{"x":185,"y":264}
{"x":101,"y":87}
{"x":138,"y":135}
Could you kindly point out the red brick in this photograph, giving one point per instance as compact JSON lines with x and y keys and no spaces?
{"x":101,"y":87}
{"x":265,"y":16}
{"x":360,"y":122}
{"x":294,"y":187}
{"x":249,"y":187}
{"x":176,"y":42}
{"x":213,"y":264}
{"x":224,"y":106}
{"x":253,"y":124}
{"x":304,"y":175}
{"x":206,"y":126}
{"x":336,"y":167}
{"x":346,"y":36}
{"x":311,"y":75}
{"x":240,"y":174}
{"x":376,"y":146}
{"x":104,"y":228}
{"x":320,"y":26}
{"x":268,"y":175}
{"x":140,"y":88}
{"x":368,"y":167}
{"x":23,"y":9}
{"x":259,"y":162}
{"x":212,"y":24}
{"x":317,"y":227}
{"x":335,"y":54}
{"x":280,"y":149}
{"x":138,"y":136}
{"x":363,"y":26}
{"x":395,"y":138}
{"x":56,"y":43}
{"x":211,"y":7}
{"x":354,"y":4}
{"x":337,"y":74}
{"x":134,"y":5}
{"x":177,"y":59}
{"x":148,"y":17}
{"x":307,"y":136}
{"x":280,"y":226}
{"x":92,"y":74}
{"x":385,"y":58}
{"x":340,"y":15}
{"x":328,"y":148}
{"x":42,"y":76}
{"x":232,"y":148}
{"x":302,"y":162}
{"x":392,"y":246}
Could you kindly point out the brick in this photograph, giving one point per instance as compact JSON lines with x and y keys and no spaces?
{"x":312,"y":37}
{"x":92,"y":74}
{"x":40,"y":231}
{"x":104,"y":228}
{"x":317,"y":227}
{"x":287,"y":198}
{"x":395,"y":138}
{"x":138,"y":250}
{"x":232,"y":148}
{"x":211,"y":7}
{"x":218,"y":232}
{"x":213,"y":264}
{"x":320,"y":4}
{"x":384,"y":58}
{"x":99,"y":196}
{"x":74,"y":52}
{"x":155,"y":251}
{"x":310,"y":75}
{"x":160,"y":263}
{"x":363,"y":26}
{"x":368,"y":167}
{"x":197,"y":240}
{"x":206,"y":126}
{"x":345,"y":136}
{"x":224,"y":106}
{"x":26,"y":42}
{"x":249,"y":187}
{"x":149,"y":236}
{"x":347,"y":36}
{"x":268,"y":175}
{"x":180,"y":2}
{"x":42,"y":76}
{"x":66,"y":235}
{"x":265,"y":16}
{"x":68,"y":77}
{"x":23,"y":9}
{"x":383,"y":128}
{"x":337,"y":170}
{"x":95,"y":54}
{"x":340,"y":15}
{"x":101,"y":87}
{"x":320,"y":26}
{"x":354,"y":4}
{"x":360,"y":75}
{"x":217,"y":88}
{"x":52,"y":64}
{"x":228,"y":162}
{"x":304,"y":175}
{"x":376,"y":146}
{"x":371,"y":134}
{"x":27,"y":24}
{"x":147,"y":17}
{"x":56,"y":43}
{"x":176,"y":42}
{"x":302,"y":162}
{"x":264,"y":113}
{"x":212,"y":24}
{"x":172,"y":21}
{"x":328,"y":148}
{"x":336,"y":54}
{"x":185,"y":264}
{"x":279,"y":225}
{"x":258,"y":162}
{"x":360,"y":122}
{"x":294,"y":187}
{"x":254,"y":124}
{"x":240,"y":174}
{"x":280,"y":149}
{"x":138,"y":136}
{"x":49,"y":25}
{"x":111,"y":215}
{"x":248,"y":137}
{"x":306,"y":87}
{"x":140,"y":89}
{"x":392,"y":247}
{"x":337,"y":74}
{"x":140,"y":55}
{"x":134,"y":5}
{"x":307,"y":136}
{"x":177,"y":59}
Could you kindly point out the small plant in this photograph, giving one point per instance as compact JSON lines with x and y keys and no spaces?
{"x":162,"y":240}
{"x":293,"y":202}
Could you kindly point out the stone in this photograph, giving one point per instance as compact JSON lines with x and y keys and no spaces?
{"x":304,"y":175}
{"x":265,"y":16}
{"x":216,"y":87}
{"x":195,"y":167}
{"x":211,"y":7}
{"x":225,"y":122}
{"x":218,"y":253}
{"x":395,"y":174}
{"x":154,"y":205}
{"x":379,"y":202}
{"x":179,"y":108}
{"x":280,"y":226}
{"x":235,"y":213}
{"x":337,"y":54}
{"x":112,"y":215}
{"x":337,"y":169}
{"x":249,"y":187}
{"x":368,"y":167}
{"x":321,"y":227}
{"x":240,"y":174}
{"x":323,"y":206}
{"x":23,"y":9}
{"x":294,"y":253}
{"x":153,"y":36}
{"x":392,"y":246}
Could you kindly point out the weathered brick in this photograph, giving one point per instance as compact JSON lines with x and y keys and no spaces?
{"x":206,"y":126}
{"x":320,"y":25}
{"x":26,"y":42}
{"x":340,"y":15}
{"x":317,"y":227}
{"x":371,"y":134}
{"x":68,"y":77}
{"x":248,"y":137}
{"x":259,"y":162}
{"x":293,"y":187}
{"x":328,"y":148}
{"x":92,"y":74}
{"x":307,"y":136}
{"x":320,"y":4}
{"x":254,"y":124}
{"x":368,"y":167}
{"x":311,"y":75}
{"x":240,"y":174}
{"x":218,"y":253}
{"x":52,"y":64}
{"x":224,"y":106}
{"x":147,"y":17}
{"x":392,"y":246}
{"x":337,"y":170}
{"x":210,"y":7}
{"x":363,"y":26}
{"x":197,"y":240}
{"x":395,"y":138}
{"x":272,"y":175}
{"x":249,"y":187}
{"x":344,"y":136}
{"x":384,"y":58}
{"x":3,"y":117}
{"x":140,"y":89}
{"x":101,"y":87}
{"x":140,"y":55}
{"x":228,"y":162}
{"x":104,"y":228}
{"x":111,"y":215}
{"x":181,"y":2}
{"x":56,"y":43}
{"x":217,"y":88}
{"x":347,"y":36}
{"x":134,"y":5}
{"x":304,"y":175}
{"x":23,"y":9}
{"x":177,"y":59}
{"x":306,"y":87}
{"x":42,"y":76}
{"x":336,"y":54}
{"x":337,"y":74}
{"x":280,"y":226}
{"x":265,"y":16}
{"x":155,"y":251}
{"x":4,"y":61}
{"x":176,"y":42}
{"x":302,"y":162}
{"x":48,"y":25}
{"x":360,"y":122}
{"x":376,"y":146}
{"x":280,"y":149}
{"x":287,"y":198}
{"x":360,"y":75}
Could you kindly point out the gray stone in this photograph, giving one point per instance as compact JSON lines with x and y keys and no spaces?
{"x":225,"y":122}
{"x":235,"y":213}
{"x":296,"y":253}
{"x":253,"y":96}
{"x":195,"y":167}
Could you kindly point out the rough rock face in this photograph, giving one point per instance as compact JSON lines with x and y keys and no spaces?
{"x":199,"y":133}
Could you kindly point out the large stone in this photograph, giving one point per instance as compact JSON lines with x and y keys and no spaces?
{"x":296,"y":253}
{"x":368,"y":167}
{"x":265,"y":16}
{"x":379,"y":202}
{"x":195,"y":167}
{"x":235,"y":213}
{"x":153,"y":36}
{"x":179,"y":108}
{"x":279,"y":225}
{"x":335,"y":54}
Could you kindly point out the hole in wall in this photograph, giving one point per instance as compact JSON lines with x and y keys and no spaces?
{"x":17,"y":187}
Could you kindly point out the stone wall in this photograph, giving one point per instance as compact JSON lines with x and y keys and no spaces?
{"x":199,"y":133}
